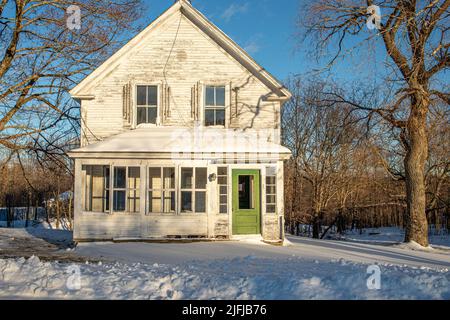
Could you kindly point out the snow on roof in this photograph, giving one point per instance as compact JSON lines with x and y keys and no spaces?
{"x":199,"y":140}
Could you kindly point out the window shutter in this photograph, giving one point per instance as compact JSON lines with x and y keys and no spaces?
{"x":193,"y":100}
{"x":234,"y":121}
{"x":196,"y":101}
{"x":165,"y":101}
{"x":127,"y":105}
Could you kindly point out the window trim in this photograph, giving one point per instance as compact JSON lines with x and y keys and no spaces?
{"x":158,"y":104}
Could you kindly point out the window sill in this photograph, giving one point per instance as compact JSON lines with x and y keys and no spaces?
{"x":110,"y":213}
{"x":215,"y":127}
{"x":192,"y":214}
{"x":162,"y":214}
{"x":147,"y":125}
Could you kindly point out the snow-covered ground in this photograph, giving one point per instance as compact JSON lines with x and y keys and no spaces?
{"x":392,"y":235}
{"x":307,"y":269}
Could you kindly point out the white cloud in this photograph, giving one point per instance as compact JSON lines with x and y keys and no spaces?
{"x":252,"y":47}
{"x":234,"y":9}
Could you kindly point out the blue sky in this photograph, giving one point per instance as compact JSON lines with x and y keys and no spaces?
{"x":267,"y":30}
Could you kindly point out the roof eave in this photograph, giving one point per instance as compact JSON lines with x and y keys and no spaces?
{"x":78,"y":89}
{"x":184,"y":156}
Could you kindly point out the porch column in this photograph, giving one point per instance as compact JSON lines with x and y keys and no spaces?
{"x":78,"y":197}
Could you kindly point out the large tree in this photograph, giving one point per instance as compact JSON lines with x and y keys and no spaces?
{"x":44,"y":50}
{"x":414,"y":37}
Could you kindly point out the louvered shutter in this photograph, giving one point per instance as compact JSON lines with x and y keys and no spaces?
{"x":196,"y":94}
{"x":165,"y":102}
{"x":127,"y":105}
{"x":234,"y":120}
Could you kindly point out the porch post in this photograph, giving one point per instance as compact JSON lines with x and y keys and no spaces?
{"x":78,"y":197}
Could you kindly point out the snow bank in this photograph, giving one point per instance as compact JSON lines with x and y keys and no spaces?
{"x":239,"y":278}
{"x":412,"y":245}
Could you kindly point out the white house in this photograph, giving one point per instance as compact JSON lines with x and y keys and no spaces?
{"x":180,"y":138}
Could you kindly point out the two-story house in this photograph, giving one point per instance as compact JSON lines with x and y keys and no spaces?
{"x":180,"y":138}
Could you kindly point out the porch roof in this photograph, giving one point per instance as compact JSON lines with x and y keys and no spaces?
{"x":176,"y":143}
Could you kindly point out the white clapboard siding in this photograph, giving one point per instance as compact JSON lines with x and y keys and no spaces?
{"x":192,"y":58}
{"x":92,"y":226}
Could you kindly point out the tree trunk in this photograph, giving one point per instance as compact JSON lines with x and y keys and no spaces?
{"x":316,"y":227}
{"x":416,"y":156}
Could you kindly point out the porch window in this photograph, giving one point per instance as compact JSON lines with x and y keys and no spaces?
{"x":161,"y":190}
{"x":119,"y":189}
{"x":222,"y":183}
{"x":97,"y":185}
{"x":133,"y":189}
{"x":271,"y":190}
{"x":126,"y":189}
{"x":147,"y":104}
{"x":215,"y":106}
{"x":193,"y":190}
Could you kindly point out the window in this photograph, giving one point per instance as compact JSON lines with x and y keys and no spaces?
{"x":147,"y":104}
{"x":215,"y":106}
{"x":133,"y":189}
{"x":222,"y":183}
{"x":193,"y":190}
{"x":161,"y":190}
{"x":119,"y":189}
{"x":125,"y":189}
{"x":271,"y":190}
{"x":246,"y":199}
{"x":97,"y":187}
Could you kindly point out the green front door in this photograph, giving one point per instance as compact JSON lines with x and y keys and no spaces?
{"x":246,"y":202}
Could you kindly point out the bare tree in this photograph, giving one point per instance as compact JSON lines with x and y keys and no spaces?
{"x":327,"y":154}
{"x":414,"y":35}
{"x":41,"y":58}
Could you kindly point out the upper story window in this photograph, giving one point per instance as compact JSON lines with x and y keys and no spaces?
{"x":147,"y":104}
{"x":215,"y":106}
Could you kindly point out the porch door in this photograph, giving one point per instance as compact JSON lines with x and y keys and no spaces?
{"x":246,"y":202}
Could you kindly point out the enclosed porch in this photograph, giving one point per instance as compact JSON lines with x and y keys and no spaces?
{"x":198,"y":190}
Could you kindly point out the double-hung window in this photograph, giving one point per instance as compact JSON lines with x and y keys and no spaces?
{"x":193,"y":190}
{"x":147,"y":104}
{"x":126,"y":186}
{"x":119,"y":189}
{"x":133,"y":189}
{"x":161,"y":190}
{"x":215,"y":106}
{"x":97,"y":188}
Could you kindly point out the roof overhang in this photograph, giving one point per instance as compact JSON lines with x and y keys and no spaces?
{"x":225,"y":157}
{"x":215,"y":144}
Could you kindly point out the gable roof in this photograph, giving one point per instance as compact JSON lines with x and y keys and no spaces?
{"x":197,"y":18}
